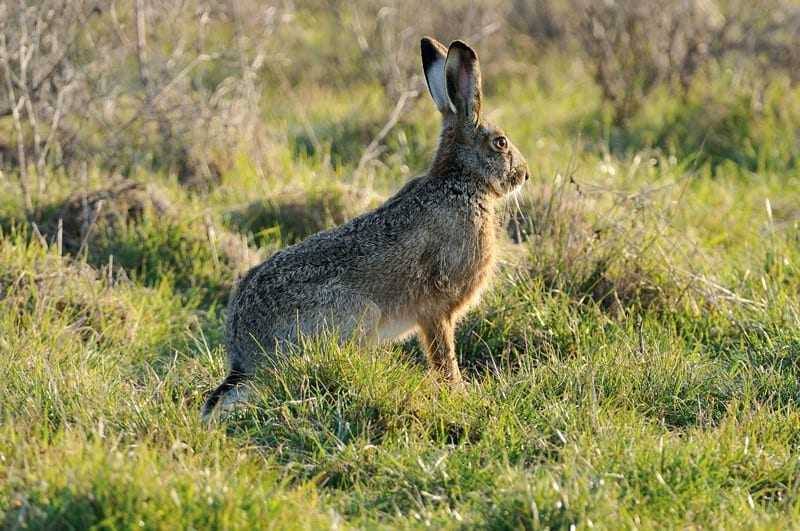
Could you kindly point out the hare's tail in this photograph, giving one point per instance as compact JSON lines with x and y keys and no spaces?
{"x":232,"y":380}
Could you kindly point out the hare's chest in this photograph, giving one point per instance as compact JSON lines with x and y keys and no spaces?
{"x":475,"y":283}
{"x":473,"y":266}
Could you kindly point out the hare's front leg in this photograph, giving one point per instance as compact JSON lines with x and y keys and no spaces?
{"x":438,"y":336}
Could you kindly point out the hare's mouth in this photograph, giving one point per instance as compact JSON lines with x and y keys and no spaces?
{"x":508,"y":185}
{"x":512,"y":190}
{"x":519,"y":178}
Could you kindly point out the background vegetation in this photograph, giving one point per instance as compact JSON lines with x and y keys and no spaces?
{"x":636,"y":364}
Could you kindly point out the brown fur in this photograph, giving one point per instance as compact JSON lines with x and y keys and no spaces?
{"x":415,"y":264}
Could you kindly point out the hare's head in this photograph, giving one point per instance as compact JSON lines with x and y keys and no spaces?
{"x":470,"y":146}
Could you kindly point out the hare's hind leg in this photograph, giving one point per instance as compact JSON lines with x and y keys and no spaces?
{"x":438,"y":337}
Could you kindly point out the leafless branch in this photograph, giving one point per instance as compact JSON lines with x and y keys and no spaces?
{"x":373,"y":150}
{"x":16,"y":105}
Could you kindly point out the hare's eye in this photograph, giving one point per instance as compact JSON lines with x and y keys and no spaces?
{"x":500,"y":143}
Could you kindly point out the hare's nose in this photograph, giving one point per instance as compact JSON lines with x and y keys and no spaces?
{"x":527,"y":174}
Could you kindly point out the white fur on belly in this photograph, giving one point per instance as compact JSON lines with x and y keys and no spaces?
{"x":396,"y":329}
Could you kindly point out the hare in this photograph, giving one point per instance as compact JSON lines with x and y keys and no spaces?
{"x":415,"y":264}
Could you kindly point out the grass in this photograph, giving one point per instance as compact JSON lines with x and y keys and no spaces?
{"x":634,"y":365}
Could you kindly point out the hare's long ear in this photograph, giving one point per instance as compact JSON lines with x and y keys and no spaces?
{"x":434,"y":55}
{"x":463,"y":81}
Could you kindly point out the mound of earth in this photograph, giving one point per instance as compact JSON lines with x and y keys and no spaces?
{"x":81,"y":220}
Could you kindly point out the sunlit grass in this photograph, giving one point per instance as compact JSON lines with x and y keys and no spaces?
{"x":634,"y":364}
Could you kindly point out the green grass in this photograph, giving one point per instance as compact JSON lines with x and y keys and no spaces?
{"x":636,"y":363}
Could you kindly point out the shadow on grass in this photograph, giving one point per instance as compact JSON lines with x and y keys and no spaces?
{"x":311,"y":406}
{"x":64,"y":509}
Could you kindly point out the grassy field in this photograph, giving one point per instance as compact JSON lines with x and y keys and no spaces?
{"x":635,"y":364}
